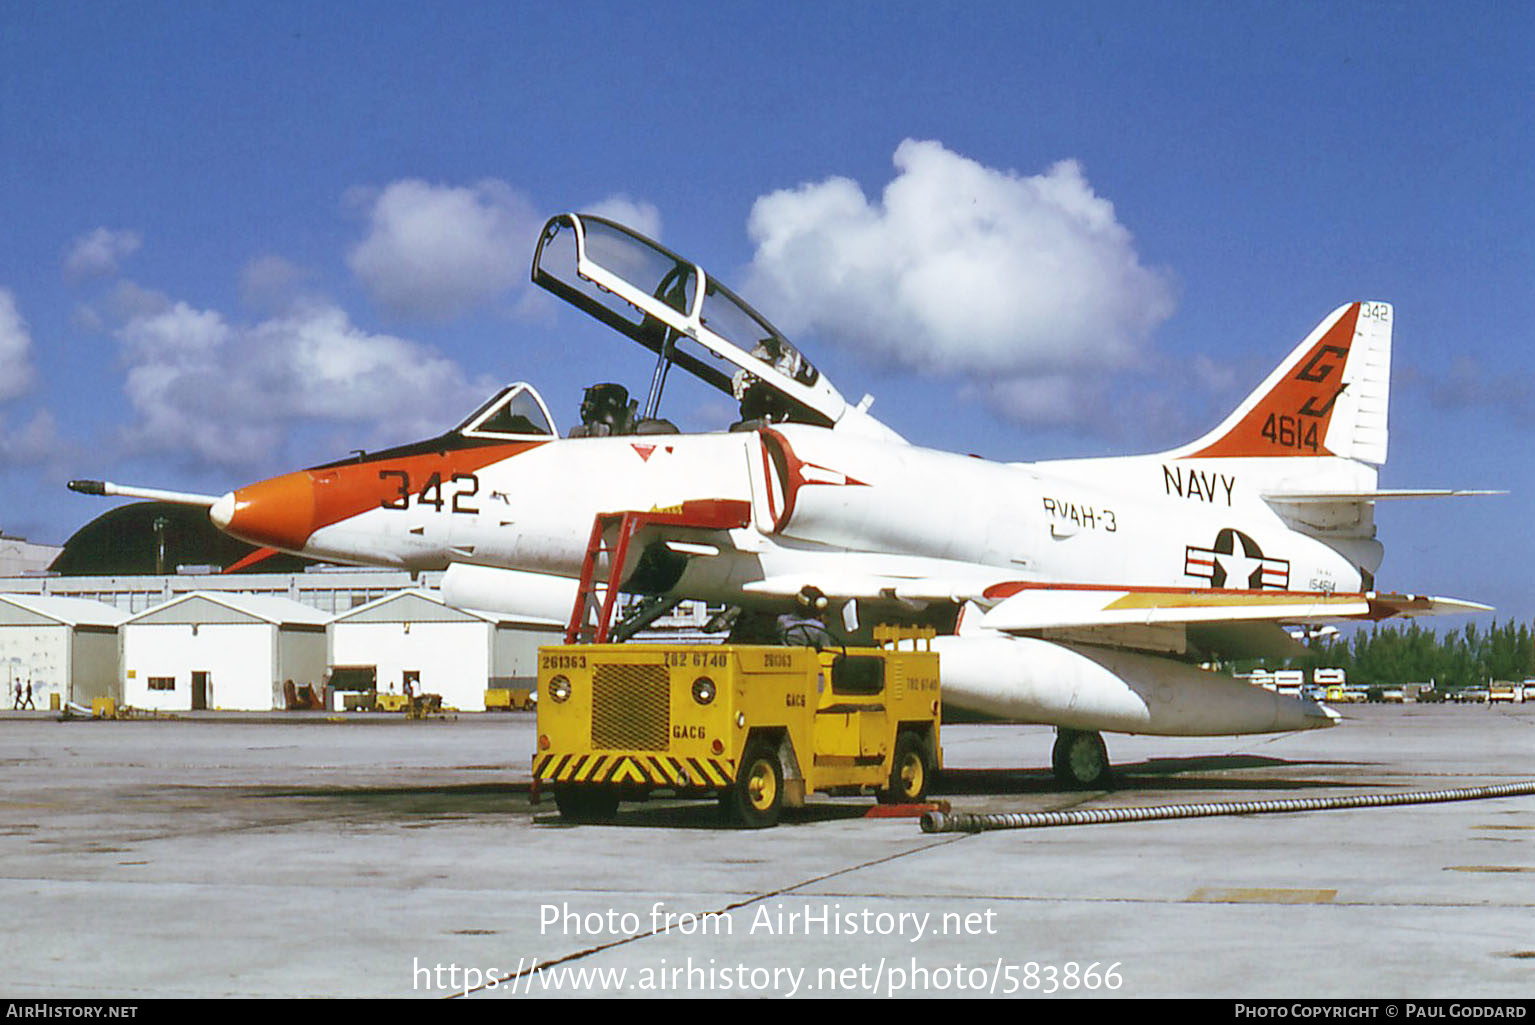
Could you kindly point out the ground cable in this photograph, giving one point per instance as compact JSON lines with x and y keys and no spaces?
{"x":970,"y":822}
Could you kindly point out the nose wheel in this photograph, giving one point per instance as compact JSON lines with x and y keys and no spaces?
{"x":1080,"y":758}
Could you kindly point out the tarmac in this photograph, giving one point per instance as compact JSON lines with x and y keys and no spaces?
{"x":219,"y":855}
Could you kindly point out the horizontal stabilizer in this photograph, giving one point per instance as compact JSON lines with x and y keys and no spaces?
{"x":1330,"y":497}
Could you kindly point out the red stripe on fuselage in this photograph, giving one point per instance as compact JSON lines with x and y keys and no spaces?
{"x":997,"y":592}
{"x":284,"y":512}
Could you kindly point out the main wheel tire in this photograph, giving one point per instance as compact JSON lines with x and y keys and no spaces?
{"x":910,"y":773}
{"x":756,"y":798}
{"x":1080,"y":758}
{"x":586,"y":804}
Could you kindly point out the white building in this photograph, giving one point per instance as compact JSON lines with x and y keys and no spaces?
{"x":64,"y":647}
{"x":328,"y":589}
{"x":441,"y":649}
{"x":19,"y":557}
{"x":212,"y":650}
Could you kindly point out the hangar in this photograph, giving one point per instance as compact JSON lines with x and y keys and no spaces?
{"x":66,"y":648}
{"x":414,"y":635}
{"x":221,"y":651}
{"x":156,"y":538}
{"x":19,"y":556}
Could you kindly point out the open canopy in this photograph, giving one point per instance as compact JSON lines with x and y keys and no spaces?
{"x":686,"y":318}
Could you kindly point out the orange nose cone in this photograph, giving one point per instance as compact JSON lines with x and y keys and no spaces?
{"x":279,"y":513}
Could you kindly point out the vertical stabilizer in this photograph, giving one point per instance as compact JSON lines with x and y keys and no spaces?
{"x":1328,"y":398}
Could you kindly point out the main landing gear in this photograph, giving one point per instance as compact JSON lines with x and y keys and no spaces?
{"x":1080,"y":758}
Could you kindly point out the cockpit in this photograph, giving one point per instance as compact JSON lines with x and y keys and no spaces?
{"x":687,"y":319}
{"x":515,"y":412}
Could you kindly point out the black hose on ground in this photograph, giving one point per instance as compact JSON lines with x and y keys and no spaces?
{"x":968,"y":822}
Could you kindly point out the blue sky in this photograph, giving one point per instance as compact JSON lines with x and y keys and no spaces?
{"x":237,"y":238}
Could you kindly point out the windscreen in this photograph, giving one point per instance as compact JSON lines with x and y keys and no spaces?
{"x":514,"y":411}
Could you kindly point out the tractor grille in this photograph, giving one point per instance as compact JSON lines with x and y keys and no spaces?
{"x":631,"y":708}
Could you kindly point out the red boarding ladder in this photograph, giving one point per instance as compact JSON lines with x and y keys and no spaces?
{"x":699,"y":514}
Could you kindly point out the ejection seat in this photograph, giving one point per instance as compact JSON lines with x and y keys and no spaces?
{"x":606,"y":409}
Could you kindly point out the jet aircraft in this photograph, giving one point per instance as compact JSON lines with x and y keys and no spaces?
{"x":1081,"y":593}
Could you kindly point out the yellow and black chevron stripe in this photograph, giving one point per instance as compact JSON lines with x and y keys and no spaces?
{"x":657,"y":770}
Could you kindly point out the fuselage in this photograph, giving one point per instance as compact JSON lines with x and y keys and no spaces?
{"x":813,"y":493}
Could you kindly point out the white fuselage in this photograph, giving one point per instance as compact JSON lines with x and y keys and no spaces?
{"x":874,"y":507}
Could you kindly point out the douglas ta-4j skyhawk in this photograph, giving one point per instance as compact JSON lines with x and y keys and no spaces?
{"x":1082,"y":593}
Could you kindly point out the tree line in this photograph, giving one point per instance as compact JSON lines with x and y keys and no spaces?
{"x":1395,"y":655}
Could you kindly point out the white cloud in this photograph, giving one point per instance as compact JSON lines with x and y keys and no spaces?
{"x":33,"y":443}
{"x":1046,"y":400}
{"x":1215,"y":378}
{"x":961,"y":269}
{"x":270,"y":282}
{"x":437,"y":250}
{"x":15,"y":349}
{"x":98,"y":253}
{"x":228,"y":395}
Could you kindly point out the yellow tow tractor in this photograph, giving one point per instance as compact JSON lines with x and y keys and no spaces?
{"x":756,"y":725}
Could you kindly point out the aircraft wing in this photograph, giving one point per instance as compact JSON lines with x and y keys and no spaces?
{"x":1229,"y":623}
